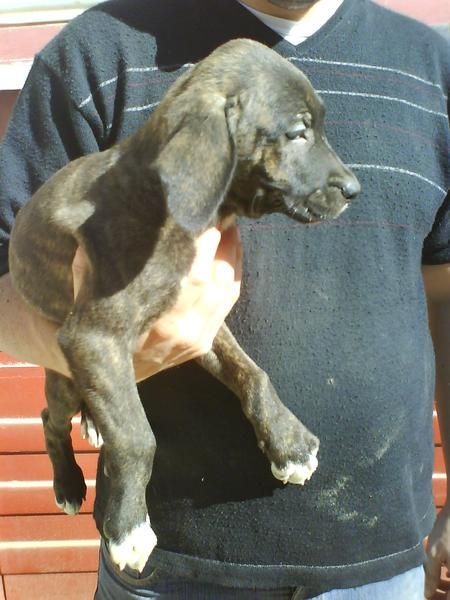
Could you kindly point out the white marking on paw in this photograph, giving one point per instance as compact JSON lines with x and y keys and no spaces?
{"x":70,"y":508}
{"x":133,"y":551}
{"x":297,"y":473}
{"x":90,"y":432}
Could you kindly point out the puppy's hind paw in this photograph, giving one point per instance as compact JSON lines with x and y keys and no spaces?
{"x":297,"y":473}
{"x":70,"y":508}
{"x":135,"y":548}
{"x":70,"y":490}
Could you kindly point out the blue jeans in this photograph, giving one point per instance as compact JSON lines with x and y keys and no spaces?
{"x":116,"y":585}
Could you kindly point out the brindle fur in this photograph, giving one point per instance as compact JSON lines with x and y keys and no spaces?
{"x":216,"y":146}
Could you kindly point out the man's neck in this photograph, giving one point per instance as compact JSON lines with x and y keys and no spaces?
{"x":314,"y":11}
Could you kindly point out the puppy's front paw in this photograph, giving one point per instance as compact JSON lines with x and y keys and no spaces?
{"x":135,"y":548}
{"x":290,"y":447}
{"x":89,"y":430}
{"x":297,"y":473}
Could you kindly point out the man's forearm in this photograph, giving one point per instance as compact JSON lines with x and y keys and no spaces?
{"x":24,"y":334}
{"x":440,"y":329}
{"x":184,"y":332}
{"x":437,"y":285}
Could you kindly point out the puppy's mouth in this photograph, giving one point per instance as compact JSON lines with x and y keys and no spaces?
{"x":318,"y":206}
{"x":303,"y":214}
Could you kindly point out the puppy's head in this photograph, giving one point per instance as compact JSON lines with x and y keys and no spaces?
{"x":245,"y":133}
{"x":285,"y":163}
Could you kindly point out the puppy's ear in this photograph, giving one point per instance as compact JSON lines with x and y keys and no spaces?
{"x":197,"y":164}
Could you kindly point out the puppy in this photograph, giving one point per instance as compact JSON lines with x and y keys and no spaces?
{"x":239,"y":134}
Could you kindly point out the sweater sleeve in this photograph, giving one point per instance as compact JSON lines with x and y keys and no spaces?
{"x":46,"y":130}
{"x":436,"y":249}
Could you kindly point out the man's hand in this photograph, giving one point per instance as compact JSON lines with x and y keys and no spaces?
{"x":208,"y":293}
{"x":438,"y":552}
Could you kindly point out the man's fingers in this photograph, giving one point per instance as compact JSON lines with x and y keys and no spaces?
{"x":219,"y":254}
{"x":206,"y":248}
{"x":233,"y":237}
{"x":432,"y":575}
{"x":227,"y":272}
{"x":230,"y":249}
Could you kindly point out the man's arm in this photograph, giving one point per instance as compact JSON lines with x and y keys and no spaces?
{"x":437,"y":285}
{"x":184,"y":332}
{"x":24,"y":334}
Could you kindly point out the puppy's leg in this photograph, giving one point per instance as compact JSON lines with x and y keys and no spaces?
{"x":101,"y":366}
{"x":288,"y":444}
{"x":63,"y":402}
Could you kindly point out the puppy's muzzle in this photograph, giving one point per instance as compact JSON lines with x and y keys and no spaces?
{"x":327,"y":203}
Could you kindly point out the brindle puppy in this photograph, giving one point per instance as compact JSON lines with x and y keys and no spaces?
{"x":241,"y":133}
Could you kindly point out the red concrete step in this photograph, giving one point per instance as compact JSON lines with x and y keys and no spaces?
{"x":26,"y":467}
{"x":21,"y":391}
{"x":38,"y":500}
{"x":21,"y":402}
{"x":48,"y":544}
{"x":54,"y":586}
{"x":439,"y":477}
{"x":25,"y":434}
{"x":437,"y":432}
{"x":26,"y":483}
{"x":47,"y":527}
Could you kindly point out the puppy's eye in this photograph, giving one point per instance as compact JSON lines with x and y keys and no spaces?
{"x":297,"y":133}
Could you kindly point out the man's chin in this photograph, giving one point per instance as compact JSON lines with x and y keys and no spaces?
{"x":291,"y":4}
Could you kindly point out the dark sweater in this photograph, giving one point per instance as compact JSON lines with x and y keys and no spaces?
{"x":335,"y":313}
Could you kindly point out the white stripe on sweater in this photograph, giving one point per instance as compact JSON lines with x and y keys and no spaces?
{"x":365,"y":66}
{"x":329,"y":92}
{"x":291,"y":58}
{"x":357,"y":166}
{"x":381,"y":97}
{"x":129,"y":70}
{"x":139,"y":108}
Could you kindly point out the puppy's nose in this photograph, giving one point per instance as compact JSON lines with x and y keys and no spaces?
{"x":350,"y":188}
